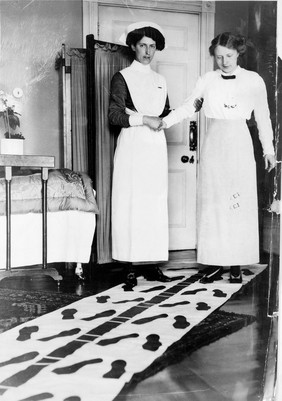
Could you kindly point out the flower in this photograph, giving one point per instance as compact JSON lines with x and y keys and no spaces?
{"x":9,"y":110}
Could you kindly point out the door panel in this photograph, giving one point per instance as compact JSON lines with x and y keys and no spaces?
{"x":180,"y":64}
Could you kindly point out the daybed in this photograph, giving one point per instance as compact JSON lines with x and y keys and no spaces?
{"x":71,"y":217}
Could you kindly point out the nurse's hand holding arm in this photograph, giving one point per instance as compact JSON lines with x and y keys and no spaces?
{"x":270,"y":162}
{"x":152,"y":122}
{"x":197,"y":105}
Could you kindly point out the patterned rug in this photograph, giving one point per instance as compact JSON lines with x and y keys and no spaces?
{"x":114,"y":337}
{"x":18,"y":306}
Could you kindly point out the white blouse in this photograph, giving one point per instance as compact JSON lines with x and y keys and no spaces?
{"x":230,"y":99}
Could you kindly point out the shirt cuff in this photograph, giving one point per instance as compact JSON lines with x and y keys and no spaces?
{"x":269,"y":151}
{"x":136,"y":119}
{"x":168,"y":121}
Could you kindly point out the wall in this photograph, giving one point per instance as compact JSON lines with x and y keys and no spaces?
{"x":231,"y":16}
{"x":31,"y":36}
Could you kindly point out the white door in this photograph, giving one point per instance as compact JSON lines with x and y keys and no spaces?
{"x":180,"y":64}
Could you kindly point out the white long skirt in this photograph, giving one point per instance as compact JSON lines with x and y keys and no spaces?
{"x":227,"y":196}
{"x":139,"y":196}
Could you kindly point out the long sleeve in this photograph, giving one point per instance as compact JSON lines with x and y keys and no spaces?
{"x":120,"y":100}
{"x":187,"y":109}
{"x":118,"y":94}
{"x":262,"y":117}
{"x":166,"y":110}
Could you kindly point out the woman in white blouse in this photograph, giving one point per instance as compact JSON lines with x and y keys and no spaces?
{"x":227,"y":217}
{"x":139,"y":191}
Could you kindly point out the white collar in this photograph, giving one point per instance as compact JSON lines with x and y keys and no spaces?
{"x":136,"y":65}
{"x":237,"y":71}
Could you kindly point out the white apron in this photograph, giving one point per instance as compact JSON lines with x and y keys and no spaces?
{"x":139,"y":190}
{"x":227,"y":196}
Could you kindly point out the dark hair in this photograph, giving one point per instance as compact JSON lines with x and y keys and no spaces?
{"x":229,"y":40}
{"x":135,"y":36}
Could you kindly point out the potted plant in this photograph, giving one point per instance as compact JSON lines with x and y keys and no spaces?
{"x":13,"y":140}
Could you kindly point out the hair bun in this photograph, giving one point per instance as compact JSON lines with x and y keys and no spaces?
{"x":229,"y":40}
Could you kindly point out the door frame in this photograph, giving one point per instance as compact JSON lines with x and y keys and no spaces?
{"x":204,"y":10}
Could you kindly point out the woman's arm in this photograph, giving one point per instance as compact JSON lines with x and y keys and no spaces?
{"x":262,"y":117}
{"x":117,"y":105}
{"x":166,"y":109}
{"x":191,"y":105}
{"x":121,"y":106}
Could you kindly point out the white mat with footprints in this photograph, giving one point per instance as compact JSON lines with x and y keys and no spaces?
{"x":88,"y":350}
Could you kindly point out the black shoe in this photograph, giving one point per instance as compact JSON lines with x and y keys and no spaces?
{"x":154,"y":273}
{"x":211,"y":274}
{"x":131,"y":280}
{"x":235,"y":275}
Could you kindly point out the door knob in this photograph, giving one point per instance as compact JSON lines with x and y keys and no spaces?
{"x":185,"y":159}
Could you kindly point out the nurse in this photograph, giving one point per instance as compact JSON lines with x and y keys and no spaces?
{"x":227,"y":221}
{"x":138,"y":99}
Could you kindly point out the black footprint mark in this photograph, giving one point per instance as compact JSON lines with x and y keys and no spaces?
{"x":175,"y":304}
{"x":117,"y":339}
{"x":202,"y":306}
{"x":247,"y":272}
{"x":66,"y":370}
{"x":118,"y":369}
{"x":158,"y":287}
{"x":26,"y":332}
{"x":61,"y":334}
{"x":68,"y":314}
{"x":99,"y":315}
{"x":193,"y":292}
{"x":149,"y":319}
{"x":38,"y":397}
{"x":18,"y":359}
{"x":177,"y":278}
{"x":180,"y":322}
{"x":127,"y":287}
{"x":129,"y":300}
{"x":153,"y":343}
{"x":219,"y":294}
{"x":102,"y":299}
{"x":21,"y":376}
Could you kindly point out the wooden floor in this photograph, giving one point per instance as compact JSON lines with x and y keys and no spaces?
{"x":231,"y":368}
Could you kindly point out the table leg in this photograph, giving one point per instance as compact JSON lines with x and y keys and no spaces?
{"x":44,"y":177}
{"x":8,"y":178}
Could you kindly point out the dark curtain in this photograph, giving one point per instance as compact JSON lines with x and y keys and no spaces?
{"x":263,"y":59}
{"x":79,"y":110}
{"x":104,"y":60}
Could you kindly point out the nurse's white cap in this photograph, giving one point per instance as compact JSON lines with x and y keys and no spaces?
{"x":138,"y":25}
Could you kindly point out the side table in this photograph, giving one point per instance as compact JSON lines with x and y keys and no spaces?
{"x":43,"y":162}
